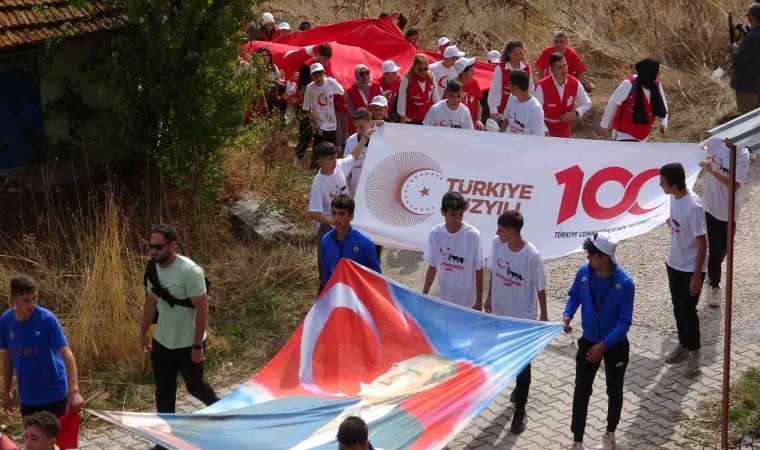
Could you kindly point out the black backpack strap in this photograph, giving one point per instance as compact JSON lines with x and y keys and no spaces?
{"x":151,"y":274}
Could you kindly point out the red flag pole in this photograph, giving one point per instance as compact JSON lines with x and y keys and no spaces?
{"x":729,"y":298}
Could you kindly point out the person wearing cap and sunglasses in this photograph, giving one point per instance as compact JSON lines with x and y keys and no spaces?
{"x":444,"y":70}
{"x":472,"y":93}
{"x":604,"y":291}
{"x":390,"y":82}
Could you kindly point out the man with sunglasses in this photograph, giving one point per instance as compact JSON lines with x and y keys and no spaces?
{"x":604,"y":292}
{"x":180,"y":299}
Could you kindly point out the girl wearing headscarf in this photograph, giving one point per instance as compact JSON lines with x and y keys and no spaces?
{"x":361,"y":93}
{"x":635,"y":104}
{"x":417,"y":92}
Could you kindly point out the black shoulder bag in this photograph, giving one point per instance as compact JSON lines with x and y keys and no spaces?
{"x":151,"y":274}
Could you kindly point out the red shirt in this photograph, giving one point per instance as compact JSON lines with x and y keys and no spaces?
{"x":574,"y":63}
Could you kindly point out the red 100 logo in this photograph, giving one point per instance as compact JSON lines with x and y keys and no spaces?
{"x":575,"y":191}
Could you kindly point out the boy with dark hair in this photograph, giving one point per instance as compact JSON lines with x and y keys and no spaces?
{"x":604,"y":292}
{"x":344,"y":241}
{"x":558,"y":93}
{"x":37,"y":349}
{"x":363,"y":122}
{"x":523,"y":113}
{"x":455,"y":247}
{"x":686,"y":264}
{"x":518,"y":282}
{"x":329,"y":182}
{"x":41,"y":431}
{"x":450,"y":113}
{"x":353,"y":434}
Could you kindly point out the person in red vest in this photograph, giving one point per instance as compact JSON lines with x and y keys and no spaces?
{"x":361,"y":93}
{"x":267,"y":31}
{"x":575,"y":65}
{"x":417,"y":92}
{"x":635,"y":105}
{"x":558,"y":94}
{"x":390,"y":83}
{"x":511,"y":59}
{"x":465,"y":67}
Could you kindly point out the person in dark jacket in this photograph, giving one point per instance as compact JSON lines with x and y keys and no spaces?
{"x":746,"y":59}
{"x":604,"y":292}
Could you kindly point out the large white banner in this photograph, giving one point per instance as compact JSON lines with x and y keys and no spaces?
{"x":567,"y":189}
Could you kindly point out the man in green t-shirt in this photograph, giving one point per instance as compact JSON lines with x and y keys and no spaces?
{"x":179,"y":344}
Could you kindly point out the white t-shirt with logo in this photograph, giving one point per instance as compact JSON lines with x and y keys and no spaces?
{"x":715,"y":195}
{"x":687,"y":222}
{"x":319,"y":100}
{"x":516,"y":277}
{"x":456,"y":256}
{"x":525,"y":118}
{"x":356,"y":169}
{"x":442,"y":76}
{"x":440,"y":115}
{"x":324,"y":188}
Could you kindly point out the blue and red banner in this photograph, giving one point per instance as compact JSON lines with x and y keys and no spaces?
{"x":417,"y":369}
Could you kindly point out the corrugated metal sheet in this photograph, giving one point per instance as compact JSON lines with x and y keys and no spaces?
{"x":744,"y":131}
{"x":29,"y":22}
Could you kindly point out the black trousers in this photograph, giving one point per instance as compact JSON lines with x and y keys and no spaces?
{"x":522,"y":388}
{"x":57,"y":408}
{"x":166,"y":363}
{"x":717,"y":242}
{"x":615,"y":363}
{"x":684,"y":308}
{"x":305,"y":132}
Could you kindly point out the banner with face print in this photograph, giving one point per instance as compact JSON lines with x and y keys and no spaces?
{"x":372,"y":348}
{"x":566,"y":189}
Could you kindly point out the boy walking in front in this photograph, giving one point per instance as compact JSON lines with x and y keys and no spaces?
{"x":454,"y":248}
{"x":686,"y":264}
{"x":518,"y":283}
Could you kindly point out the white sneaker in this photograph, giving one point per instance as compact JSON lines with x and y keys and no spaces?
{"x":608,"y":441}
{"x":678,"y":354}
{"x":694,"y":364}
{"x":577,"y":446}
{"x":714,"y":297}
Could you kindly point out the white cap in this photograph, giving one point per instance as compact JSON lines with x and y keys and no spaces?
{"x":267,"y":18}
{"x":605,"y":244}
{"x":463,"y":63}
{"x":379,"y":100}
{"x":316,"y":67}
{"x":452,"y":51}
{"x":444,"y":40}
{"x":494,"y":56}
{"x":283,"y":26}
{"x":390,"y":67}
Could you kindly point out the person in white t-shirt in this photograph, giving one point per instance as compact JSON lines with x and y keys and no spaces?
{"x":454,"y":248}
{"x":329,"y":182}
{"x":319,"y":105}
{"x":444,"y":70}
{"x":450,"y":113}
{"x":715,"y":202}
{"x":518,"y":282}
{"x":686,"y":264}
{"x":523,"y":113}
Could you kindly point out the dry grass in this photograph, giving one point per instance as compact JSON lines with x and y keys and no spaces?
{"x":611,"y":35}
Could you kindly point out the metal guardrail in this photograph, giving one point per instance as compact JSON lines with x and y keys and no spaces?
{"x":744,"y":131}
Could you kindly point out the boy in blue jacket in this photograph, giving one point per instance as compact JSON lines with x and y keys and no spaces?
{"x":604,"y":291}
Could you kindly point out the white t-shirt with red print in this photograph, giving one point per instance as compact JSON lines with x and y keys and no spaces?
{"x":516,"y":277}
{"x":456,"y":256}
{"x":319,"y":100}
{"x":324,"y":188}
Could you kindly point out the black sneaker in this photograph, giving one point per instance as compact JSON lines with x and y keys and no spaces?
{"x":513,"y":397}
{"x":518,"y":421}
{"x":158,"y":447}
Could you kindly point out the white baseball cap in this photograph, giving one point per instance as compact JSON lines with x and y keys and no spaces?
{"x":605,"y":244}
{"x":463,"y":63}
{"x":379,"y":100}
{"x":283,"y":26}
{"x":494,"y":56}
{"x":267,"y":18}
{"x":452,"y":51}
{"x":444,"y":40}
{"x":390,"y":67}
{"x":316,"y":67}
